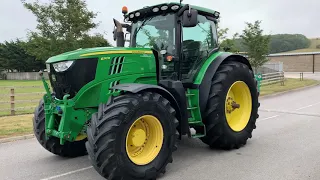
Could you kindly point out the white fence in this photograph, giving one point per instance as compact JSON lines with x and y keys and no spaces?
{"x":272,"y":78}
{"x":25,"y":75}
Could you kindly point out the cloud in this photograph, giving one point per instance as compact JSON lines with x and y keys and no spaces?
{"x":278,"y":16}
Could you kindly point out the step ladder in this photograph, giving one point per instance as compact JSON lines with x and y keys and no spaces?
{"x":194,"y":112}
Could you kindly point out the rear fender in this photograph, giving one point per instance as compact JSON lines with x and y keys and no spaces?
{"x":204,"y":88}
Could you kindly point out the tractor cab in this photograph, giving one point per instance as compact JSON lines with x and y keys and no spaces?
{"x":182,"y":35}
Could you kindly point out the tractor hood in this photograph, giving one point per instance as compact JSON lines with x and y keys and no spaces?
{"x":94,"y":52}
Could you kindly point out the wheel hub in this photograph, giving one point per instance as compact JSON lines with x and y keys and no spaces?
{"x":231,"y":105}
{"x":144,"y":140}
{"x":238,"y":106}
{"x":138,"y":137}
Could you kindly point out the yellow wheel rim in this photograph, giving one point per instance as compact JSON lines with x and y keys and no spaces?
{"x":144,"y":140}
{"x":238,"y":106}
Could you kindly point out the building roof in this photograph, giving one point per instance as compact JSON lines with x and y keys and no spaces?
{"x":294,"y":54}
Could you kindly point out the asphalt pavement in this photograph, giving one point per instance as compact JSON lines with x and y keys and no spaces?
{"x":285,"y":146}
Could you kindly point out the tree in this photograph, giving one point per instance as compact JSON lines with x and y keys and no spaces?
{"x":63,"y":25}
{"x":256,"y":43}
{"x":222,"y":32}
{"x":288,"y":42}
{"x":14,"y":57}
{"x":229,"y":45}
{"x":225,"y":43}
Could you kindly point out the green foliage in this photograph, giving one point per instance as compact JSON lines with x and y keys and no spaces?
{"x":14,"y":57}
{"x":257,"y":44}
{"x":288,"y":42}
{"x":222,"y":32}
{"x":63,"y":25}
{"x":226,"y":44}
{"x":229,"y":45}
{"x":280,"y":43}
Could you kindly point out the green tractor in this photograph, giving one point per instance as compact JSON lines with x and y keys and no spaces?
{"x":127,"y":107}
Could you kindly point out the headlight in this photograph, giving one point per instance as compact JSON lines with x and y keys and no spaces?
{"x":156,"y":9}
{"x":163,"y":8}
{"x":62,"y":66}
{"x":48,"y":67}
{"x":216,"y":14}
{"x":175,"y":7}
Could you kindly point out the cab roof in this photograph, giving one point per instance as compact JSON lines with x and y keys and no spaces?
{"x":148,"y":10}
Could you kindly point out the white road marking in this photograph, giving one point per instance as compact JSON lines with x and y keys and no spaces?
{"x":68,"y":173}
{"x":288,"y":112}
{"x":268,"y":118}
{"x":307,"y":106}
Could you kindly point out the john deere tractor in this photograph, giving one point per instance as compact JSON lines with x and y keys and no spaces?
{"x":127,"y":107}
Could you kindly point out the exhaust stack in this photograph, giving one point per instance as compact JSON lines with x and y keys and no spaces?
{"x":118,"y":34}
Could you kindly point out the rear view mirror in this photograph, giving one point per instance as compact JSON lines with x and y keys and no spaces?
{"x":190,"y":18}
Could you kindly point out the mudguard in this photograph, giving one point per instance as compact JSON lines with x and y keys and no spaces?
{"x":204,"y":88}
{"x":136,"y":87}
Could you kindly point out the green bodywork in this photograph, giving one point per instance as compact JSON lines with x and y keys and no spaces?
{"x":138,"y":67}
{"x":67,"y":118}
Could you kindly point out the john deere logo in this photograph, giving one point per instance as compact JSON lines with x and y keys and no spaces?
{"x":105,"y":58}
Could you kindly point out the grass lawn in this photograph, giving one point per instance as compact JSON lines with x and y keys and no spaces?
{"x":289,"y":84}
{"x":15,"y":125}
{"x":22,"y":124}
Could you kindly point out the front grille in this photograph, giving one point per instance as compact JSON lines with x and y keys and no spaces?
{"x":116,"y":65}
{"x":72,"y":80}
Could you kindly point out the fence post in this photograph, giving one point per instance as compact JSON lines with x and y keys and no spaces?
{"x":12,"y":101}
{"x":301,"y":76}
{"x":282,"y":78}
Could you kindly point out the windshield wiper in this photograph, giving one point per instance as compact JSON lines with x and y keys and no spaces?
{"x":143,"y":23}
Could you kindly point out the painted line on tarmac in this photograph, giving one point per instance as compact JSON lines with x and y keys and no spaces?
{"x":307,"y":106}
{"x":268,"y":118}
{"x":68,"y":173}
{"x":290,"y":112}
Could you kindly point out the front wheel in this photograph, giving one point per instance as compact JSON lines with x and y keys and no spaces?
{"x":232,"y":107}
{"x":132,"y":137}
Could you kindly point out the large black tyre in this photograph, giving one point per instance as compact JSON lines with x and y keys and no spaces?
{"x":69,"y":149}
{"x":219,"y":134}
{"x":107,"y":133}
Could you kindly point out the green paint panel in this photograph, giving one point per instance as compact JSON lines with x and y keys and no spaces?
{"x":205,"y":66}
{"x":88,"y":52}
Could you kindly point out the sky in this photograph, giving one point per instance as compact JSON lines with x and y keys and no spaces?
{"x":277,"y":16}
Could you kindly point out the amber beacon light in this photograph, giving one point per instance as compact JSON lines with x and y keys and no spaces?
{"x":124,"y":9}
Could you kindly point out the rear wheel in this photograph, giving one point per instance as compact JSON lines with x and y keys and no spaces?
{"x":132,"y":137}
{"x":69,"y":149}
{"x":232,"y":107}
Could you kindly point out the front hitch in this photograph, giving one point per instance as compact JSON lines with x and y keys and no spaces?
{"x":46,"y":87}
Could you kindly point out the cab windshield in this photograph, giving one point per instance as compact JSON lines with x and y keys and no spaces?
{"x":154,"y":32}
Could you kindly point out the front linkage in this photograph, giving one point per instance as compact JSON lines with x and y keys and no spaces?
{"x":61,"y":119}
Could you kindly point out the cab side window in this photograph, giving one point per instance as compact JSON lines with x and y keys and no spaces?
{"x":197,"y":42}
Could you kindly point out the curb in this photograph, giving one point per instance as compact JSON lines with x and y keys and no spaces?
{"x":17,"y":138}
{"x":289,"y":91}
